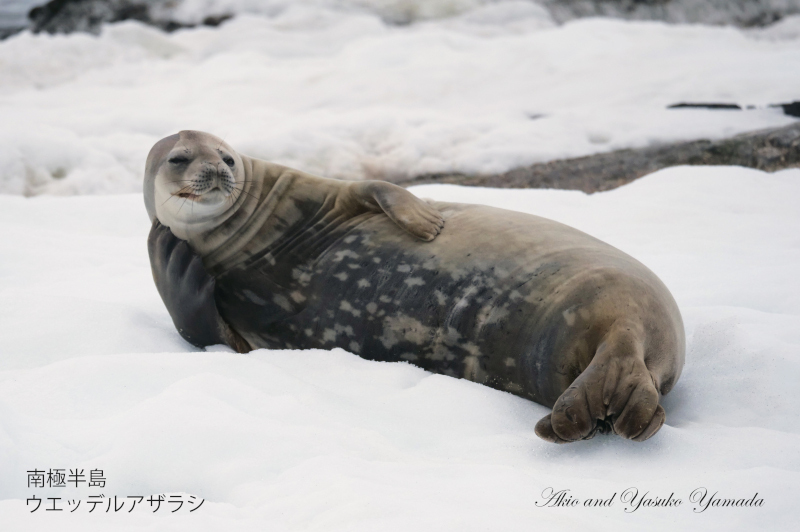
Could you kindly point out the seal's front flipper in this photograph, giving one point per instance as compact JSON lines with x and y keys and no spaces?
{"x":188,"y":291}
{"x":615,"y":393}
{"x":406,"y":210}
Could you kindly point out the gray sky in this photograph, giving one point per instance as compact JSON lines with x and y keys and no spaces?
{"x":15,"y":12}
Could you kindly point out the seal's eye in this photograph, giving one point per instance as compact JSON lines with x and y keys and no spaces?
{"x":228,"y":161}
{"x":180,"y":159}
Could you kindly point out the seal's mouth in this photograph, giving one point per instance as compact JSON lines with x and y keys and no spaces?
{"x":188,"y":195}
{"x":213,"y":194}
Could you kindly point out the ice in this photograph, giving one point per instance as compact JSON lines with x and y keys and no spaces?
{"x":93,"y":375}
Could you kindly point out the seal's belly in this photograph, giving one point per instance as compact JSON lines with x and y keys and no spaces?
{"x":499,"y":297}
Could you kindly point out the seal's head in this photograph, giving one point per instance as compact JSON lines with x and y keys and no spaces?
{"x":191,"y":180}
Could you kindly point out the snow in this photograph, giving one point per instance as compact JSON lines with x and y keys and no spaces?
{"x":93,"y":375}
{"x":334,"y":89}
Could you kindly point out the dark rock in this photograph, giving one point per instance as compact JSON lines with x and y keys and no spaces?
{"x":8,"y":31}
{"x":791,"y":109}
{"x":67,"y":16}
{"x":216,"y":20}
{"x":769,"y":150}
{"x":742,"y":13}
{"x":704,"y":106}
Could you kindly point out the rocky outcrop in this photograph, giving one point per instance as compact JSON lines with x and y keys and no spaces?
{"x":768,"y":150}
{"x":742,"y":13}
{"x":67,"y":16}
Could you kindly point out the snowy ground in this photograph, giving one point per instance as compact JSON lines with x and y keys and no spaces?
{"x":94,"y":376}
{"x":341,"y":93}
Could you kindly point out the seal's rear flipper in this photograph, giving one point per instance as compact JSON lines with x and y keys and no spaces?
{"x":410,"y":213}
{"x":616,"y":392}
{"x":188,"y":291}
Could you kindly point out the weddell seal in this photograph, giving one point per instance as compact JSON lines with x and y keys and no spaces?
{"x":257,"y":255}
